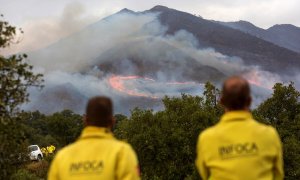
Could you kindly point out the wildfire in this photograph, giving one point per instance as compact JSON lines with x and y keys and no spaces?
{"x":149,"y":88}
{"x":117,"y":82}
{"x":139,"y":86}
{"x":265,"y":81}
{"x":254,"y":82}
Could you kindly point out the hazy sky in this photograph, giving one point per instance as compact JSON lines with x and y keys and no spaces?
{"x":53,"y":19}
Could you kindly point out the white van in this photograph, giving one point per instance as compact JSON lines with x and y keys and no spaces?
{"x":35,"y":153}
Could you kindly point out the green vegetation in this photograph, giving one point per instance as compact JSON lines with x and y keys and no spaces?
{"x":282,"y":111}
{"x":15,"y":77}
{"x":165,"y":141}
{"x":58,"y":129}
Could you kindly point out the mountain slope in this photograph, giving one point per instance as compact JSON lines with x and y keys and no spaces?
{"x":253,"y":50}
{"x":93,"y":40}
{"x":162,"y":44}
{"x":286,"y":35}
{"x":58,"y":98}
{"x":155,"y":56}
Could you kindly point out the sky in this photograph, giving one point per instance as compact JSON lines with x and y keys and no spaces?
{"x":49,"y":20}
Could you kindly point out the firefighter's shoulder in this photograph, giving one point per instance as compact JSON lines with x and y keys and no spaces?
{"x":267,"y":131}
{"x":124,"y":145}
{"x":209,"y":132}
{"x":63,"y":152}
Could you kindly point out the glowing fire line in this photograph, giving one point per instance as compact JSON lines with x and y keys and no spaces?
{"x":118,"y":83}
{"x":254,"y":78}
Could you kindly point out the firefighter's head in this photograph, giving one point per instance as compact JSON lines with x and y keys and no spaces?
{"x":236,"y":94}
{"x":99,"y":112}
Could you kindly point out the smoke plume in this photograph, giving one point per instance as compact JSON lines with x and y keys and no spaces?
{"x":128,"y":57}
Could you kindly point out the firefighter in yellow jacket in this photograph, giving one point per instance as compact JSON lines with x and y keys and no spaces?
{"x":96,"y":154}
{"x":238,"y":147}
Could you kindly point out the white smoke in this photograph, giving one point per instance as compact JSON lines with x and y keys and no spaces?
{"x":39,"y":33}
{"x":134,"y":44}
{"x":79,"y":50}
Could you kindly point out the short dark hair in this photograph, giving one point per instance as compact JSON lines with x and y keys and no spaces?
{"x":99,"y":111}
{"x":236,"y":93}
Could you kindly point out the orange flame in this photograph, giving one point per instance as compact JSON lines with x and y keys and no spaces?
{"x":254,"y":78}
{"x":117,"y":82}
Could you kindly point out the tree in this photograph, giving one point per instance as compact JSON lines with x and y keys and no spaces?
{"x":118,"y":119}
{"x":64,"y":126}
{"x":15,"y":77}
{"x":165,"y":141}
{"x":35,"y":120}
{"x":212,"y":95}
{"x":168,"y":138}
{"x":282,"y":107}
{"x":282,"y":110}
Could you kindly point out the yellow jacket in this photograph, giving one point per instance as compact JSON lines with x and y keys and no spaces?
{"x":95,"y":155}
{"x":239,"y":147}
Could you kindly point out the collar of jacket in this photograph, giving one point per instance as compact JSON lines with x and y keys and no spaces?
{"x":95,"y":132}
{"x":236,"y":116}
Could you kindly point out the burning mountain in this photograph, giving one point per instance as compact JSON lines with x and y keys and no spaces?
{"x":138,"y":57}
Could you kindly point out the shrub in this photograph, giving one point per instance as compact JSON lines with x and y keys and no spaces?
{"x":40,"y":168}
{"x":23,"y":174}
